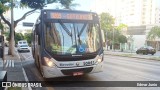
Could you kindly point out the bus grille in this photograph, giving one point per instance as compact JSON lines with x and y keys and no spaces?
{"x":71,"y":71}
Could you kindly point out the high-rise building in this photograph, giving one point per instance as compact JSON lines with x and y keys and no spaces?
{"x":135,"y":12}
{"x":130,"y":12}
{"x":157,"y":16}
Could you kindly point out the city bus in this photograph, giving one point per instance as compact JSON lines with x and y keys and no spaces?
{"x":67,"y":43}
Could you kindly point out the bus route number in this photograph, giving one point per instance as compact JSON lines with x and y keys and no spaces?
{"x":88,"y":63}
{"x":56,"y":15}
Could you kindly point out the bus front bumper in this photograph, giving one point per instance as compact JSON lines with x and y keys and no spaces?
{"x":52,"y":72}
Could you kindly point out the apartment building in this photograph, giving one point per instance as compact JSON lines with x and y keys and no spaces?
{"x":157,"y":16}
{"x":135,"y":12}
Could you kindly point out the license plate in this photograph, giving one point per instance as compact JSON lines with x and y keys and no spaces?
{"x":77,"y":73}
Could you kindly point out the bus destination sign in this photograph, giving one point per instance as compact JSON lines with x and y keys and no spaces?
{"x":74,"y":16}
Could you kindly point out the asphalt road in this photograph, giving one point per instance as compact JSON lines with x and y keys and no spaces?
{"x":115,"y":69}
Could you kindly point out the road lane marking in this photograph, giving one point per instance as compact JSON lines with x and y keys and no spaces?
{"x":24,"y":57}
{"x":12,"y":63}
{"x":26,"y":78}
{"x":9,"y":63}
{"x":29,"y":57}
{"x":6,"y":63}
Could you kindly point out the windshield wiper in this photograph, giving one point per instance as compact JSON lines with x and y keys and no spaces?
{"x":79,"y":33}
{"x":65,"y":28}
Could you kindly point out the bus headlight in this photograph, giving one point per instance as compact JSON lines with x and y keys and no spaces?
{"x":99,"y":59}
{"x":49,"y":62}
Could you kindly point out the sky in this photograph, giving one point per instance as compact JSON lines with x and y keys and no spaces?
{"x":86,"y":5}
{"x":98,"y":6}
{"x":83,"y":5}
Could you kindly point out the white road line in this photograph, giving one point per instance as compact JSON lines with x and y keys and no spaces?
{"x":7,"y":63}
{"x":26,"y":78}
{"x":12,"y":63}
{"x":24,"y":57}
{"x":29,"y":57}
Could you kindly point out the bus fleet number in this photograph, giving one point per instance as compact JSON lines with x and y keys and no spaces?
{"x":88,"y":63}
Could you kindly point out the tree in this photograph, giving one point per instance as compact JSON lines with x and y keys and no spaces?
{"x":1,"y":25}
{"x":113,"y":34}
{"x":67,"y":4}
{"x":107,"y":22}
{"x":33,"y":4}
{"x":18,"y":37}
{"x":154,"y":33}
{"x":28,"y":37}
{"x":6,"y":34}
{"x":122,"y":39}
{"x":121,"y":26}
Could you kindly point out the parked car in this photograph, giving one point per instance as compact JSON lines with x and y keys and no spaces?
{"x":23,"y":48}
{"x":146,"y":50}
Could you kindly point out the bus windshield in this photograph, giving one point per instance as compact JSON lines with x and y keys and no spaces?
{"x":71,"y":38}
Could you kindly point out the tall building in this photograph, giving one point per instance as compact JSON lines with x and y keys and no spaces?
{"x":139,"y":15}
{"x":157,"y":16}
{"x":135,"y":12}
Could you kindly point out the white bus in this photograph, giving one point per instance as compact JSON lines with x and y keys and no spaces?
{"x":67,"y":43}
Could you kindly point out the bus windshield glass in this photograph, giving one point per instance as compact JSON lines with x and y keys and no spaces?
{"x":71,"y":38}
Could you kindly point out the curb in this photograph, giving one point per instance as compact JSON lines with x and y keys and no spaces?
{"x":132,"y":57}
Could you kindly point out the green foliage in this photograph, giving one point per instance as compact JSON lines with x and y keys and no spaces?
{"x":114,"y":34}
{"x":121,"y":26}
{"x":3,"y":7}
{"x":1,"y":26}
{"x":18,"y":37}
{"x":106,"y":21}
{"x":118,"y":37}
{"x":14,"y":88}
{"x":122,"y":39}
{"x":6,"y":34}
{"x":28,"y":37}
{"x":67,"y":4}
{"x":39,"y":4}
{"x":154,"y":33}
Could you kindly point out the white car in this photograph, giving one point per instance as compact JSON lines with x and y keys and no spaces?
{"x":23,"y":48}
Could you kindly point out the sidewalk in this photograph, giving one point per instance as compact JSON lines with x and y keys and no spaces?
{"x":131,"y":54}
{"x":13,"y":66}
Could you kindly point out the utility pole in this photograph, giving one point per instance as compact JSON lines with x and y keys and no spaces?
{"x":11,"y":46}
